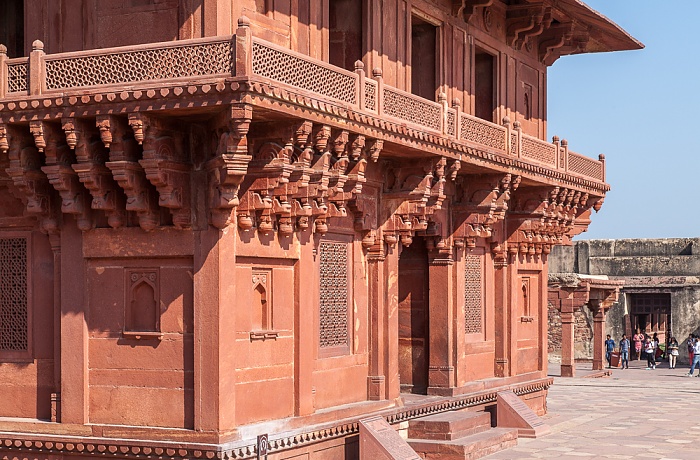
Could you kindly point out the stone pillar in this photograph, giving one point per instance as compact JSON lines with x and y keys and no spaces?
{"x":378,"y":322}
{"x":55,"y":241}
{"x":305,"y":341}
{"x":503,"y":314}
{"x":214,"y":318}
{"x":568,"y":366}
{"x":598,"y":334}
{"x":74,"y":330}
{"x":441,"y":368}
{"x":391,"y":341}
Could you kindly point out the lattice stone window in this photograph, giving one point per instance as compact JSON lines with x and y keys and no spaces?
{"x":333,"y":291}
{"x":14,"y":309}
{"x":473,"y":316}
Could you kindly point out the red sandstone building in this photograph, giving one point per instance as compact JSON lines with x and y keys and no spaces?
{"x":223,"y":218}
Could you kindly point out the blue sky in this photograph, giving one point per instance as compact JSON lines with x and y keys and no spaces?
{"x":639,"y":109}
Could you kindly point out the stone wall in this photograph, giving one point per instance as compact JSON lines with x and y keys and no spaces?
{"x":583,"y":333}
{"x":647,"y":266}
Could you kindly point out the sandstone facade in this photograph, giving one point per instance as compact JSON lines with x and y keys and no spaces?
{"x":221,"y":219}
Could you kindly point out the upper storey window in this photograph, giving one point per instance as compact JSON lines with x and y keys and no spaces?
{"x":345,"y":34}
{"x":424,"y":58}
{"x":484,"y":85}
{"x":12,"y":26}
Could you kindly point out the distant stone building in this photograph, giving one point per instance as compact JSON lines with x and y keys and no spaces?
{"x":661,"y":290}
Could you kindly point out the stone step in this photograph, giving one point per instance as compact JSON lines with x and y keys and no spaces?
{"x":468,"y":447}
{"x":449,"y":425}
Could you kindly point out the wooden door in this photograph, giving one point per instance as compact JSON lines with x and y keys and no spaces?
{"x":413,"y":318}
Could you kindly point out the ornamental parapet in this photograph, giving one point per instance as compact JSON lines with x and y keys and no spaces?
{"x":124,"y":136}
{"x":65,"y":80}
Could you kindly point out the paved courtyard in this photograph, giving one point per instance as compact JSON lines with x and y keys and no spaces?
{"x":636,"y":413}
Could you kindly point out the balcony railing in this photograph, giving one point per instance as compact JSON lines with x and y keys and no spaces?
{"x":242,"y":55}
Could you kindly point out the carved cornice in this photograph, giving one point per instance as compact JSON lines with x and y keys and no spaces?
{"x":168,"y":97}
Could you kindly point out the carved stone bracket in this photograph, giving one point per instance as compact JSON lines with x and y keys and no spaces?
{"x":414,"y":192}
{"x":166,"y":165}
{"x":544,"y":216}
{"x":466,"y":8}
{"x":75,"y":199}
{"x":310,"y":176}
{"x":127,"y":172}
{"x":553,"y":40}
{"x":91,"y":156}
{"x":482,"y":201}
{"x":227,"y":169}
{"x":527,"y":21}
{"x":30,"y":183}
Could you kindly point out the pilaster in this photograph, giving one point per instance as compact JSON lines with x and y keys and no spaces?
{"x":74,"y":330}
{"x":441,"y":369}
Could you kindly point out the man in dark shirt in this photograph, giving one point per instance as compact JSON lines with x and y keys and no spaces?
{"x":625,"y":351}
{"x":609,"y":348}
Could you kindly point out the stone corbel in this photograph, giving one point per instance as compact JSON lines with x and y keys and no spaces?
{"x":30,"y":183}
{"x":465,"y":8}
{"x":552,"y":40}
{"x":543,"y":22}
{"x":4,"y":141}
{"x":75,"y":199}
{"x":374,"y":149}
{"x":229,"y":166}
{"x":167,"y":168}
{"x":364,"y":208}
{"x":521,"y":20}
{"x":141,"y":197}
{"x":91,"y":156}
{"x":37,"y":130}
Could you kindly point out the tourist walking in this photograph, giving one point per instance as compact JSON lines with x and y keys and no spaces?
{"x":696,"y":356}
{"x":609,"y":348}
{"x":625,"y":351}
{"x":638,"y":338}
{"x":672,"y":353}
{"x":649,"y":351}
{"x":691,"y":348}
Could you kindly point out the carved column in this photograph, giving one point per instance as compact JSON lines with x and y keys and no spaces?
{"x":391,"y":341}
{"x":376,"y":381}
{"x":441,"y":369}
{"x":55,"y":241}
{"x":502,"y":308}
{"x":596,"y":307}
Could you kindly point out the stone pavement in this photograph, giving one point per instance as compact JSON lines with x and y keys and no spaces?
{"x":636,"y":413}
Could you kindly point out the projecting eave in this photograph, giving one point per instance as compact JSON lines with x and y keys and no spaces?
{"x":604,"y":35}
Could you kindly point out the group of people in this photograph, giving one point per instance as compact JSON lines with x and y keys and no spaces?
{"x":653,"y":353}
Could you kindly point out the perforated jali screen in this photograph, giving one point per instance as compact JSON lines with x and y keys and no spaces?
{"x":13,"y":294}
{"x":333,"y":294}
{"x":472,"y":295}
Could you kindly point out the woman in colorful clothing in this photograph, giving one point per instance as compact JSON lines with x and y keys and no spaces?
{"x":672,"y":353}
{"x":638,"y":339}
